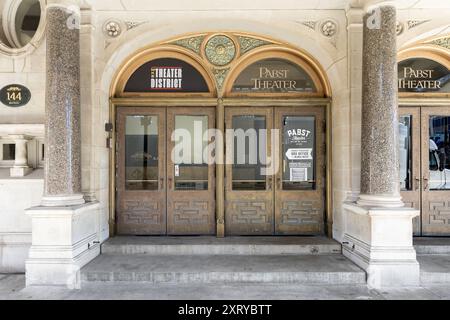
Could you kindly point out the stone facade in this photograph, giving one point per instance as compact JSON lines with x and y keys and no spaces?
{"x":109,"y":32}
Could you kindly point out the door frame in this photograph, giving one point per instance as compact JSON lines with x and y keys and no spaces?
{"x":425,"y":102}
{"x":220,"y":104}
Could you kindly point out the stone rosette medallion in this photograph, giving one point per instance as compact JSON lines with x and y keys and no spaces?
{"x":220,"y":50}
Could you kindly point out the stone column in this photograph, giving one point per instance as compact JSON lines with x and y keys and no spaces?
{"x":20,"y":168}
{"x":62,"y":127}
{"x":378,"y":228}
{"x":65,"y":230}
{"x":379,"y":132}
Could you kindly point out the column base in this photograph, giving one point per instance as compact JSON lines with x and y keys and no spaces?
{"x":380,"y":201}
{"x":64,"y":239}
{"x":17,"y":172}
{"x":380,"y":241}
{"x":63,"y":200}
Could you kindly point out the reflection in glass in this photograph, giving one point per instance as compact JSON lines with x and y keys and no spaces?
{"x":190,"y":169}
{"x":439,"y":153}
{"x":141,"y":152}
{"x":250,"y":153}
{"x":405,"y":152}
{"x":298,"y":153}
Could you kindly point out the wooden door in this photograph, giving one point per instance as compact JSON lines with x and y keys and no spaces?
{"x":249,"y":200}
{"x":300,"y":182}
{"x":141,"y":167}
{"x":435,"y":171}
{"x":409,"y":156}
{"x":190,"y":172}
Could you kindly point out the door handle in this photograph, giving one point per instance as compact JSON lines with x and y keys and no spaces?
{"x":280,"y":184}
{"x":417,"y":186}
{"x":270,"y":183}
{"x":169,"y":182}
{"x":162,"y":183}
{"x":425,"y":184}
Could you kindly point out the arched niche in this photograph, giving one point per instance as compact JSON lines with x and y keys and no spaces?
{"x":277,"y":73}
{"x":161,"y":72}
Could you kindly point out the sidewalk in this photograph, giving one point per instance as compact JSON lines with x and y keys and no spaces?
{"x":13,"y":287}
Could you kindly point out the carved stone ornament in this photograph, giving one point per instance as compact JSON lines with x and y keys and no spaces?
{"x":442,"y":42}
{"x":220,"y":75}
{"x":194,"y":43}
{"x":247,"y":43}
{"x":328,"y":28}
{"x":112,"y":29}
{"x":220,"y":50}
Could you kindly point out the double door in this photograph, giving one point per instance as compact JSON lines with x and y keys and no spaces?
{"x":425,"y":167}
{"x":165,"y":181}
{"x":275,"y":171}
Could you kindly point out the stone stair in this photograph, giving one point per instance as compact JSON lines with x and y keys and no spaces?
{"x":433,"y":255}
{"x":181,"y":260}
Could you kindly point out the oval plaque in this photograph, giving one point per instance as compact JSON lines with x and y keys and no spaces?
{"x":15,"y":95}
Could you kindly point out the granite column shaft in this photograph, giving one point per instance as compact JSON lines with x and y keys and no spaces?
{"x":63,"y":135}
{"x":379,"y":141}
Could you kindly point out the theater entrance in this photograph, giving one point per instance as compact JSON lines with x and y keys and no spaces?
{"x":220,"y":134}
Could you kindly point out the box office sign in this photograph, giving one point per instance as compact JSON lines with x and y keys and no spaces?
{"x":420,"y":75}
{"x":298,"y":148}
{"x":166,"y":75}
{"x":273,"y":76}
{"x":15,"y":95}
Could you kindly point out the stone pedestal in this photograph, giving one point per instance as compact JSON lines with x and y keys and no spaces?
{"x":380,"y":241}
{"x":20,"y":168}
{"x":64,"y":239}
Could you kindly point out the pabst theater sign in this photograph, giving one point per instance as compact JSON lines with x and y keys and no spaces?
{"x":420,"y":75}
{"x":273,"y":76}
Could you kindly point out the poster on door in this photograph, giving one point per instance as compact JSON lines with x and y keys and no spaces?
{"x":298,"y":146}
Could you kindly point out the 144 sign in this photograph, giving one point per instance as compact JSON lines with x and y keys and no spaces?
{"x":15,"y":95}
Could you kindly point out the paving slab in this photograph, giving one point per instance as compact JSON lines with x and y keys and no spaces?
{"x":434,"y":269}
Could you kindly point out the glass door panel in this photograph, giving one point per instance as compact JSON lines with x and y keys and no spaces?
{"x":141,"y":152}
{"x":249,"y":143}
{"x":190,"y":168}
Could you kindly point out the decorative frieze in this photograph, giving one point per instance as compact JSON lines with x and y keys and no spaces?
{"x":414,"y":23}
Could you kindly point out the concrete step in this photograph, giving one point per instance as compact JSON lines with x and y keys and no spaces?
{"x":221,"y":246}
{"x":432,"y":245}
{"x":434,"y":269}
{"x":307,"y":269}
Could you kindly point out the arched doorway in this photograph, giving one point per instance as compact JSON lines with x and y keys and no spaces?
{"x":212,"y":84}
{"x":424,"y":92}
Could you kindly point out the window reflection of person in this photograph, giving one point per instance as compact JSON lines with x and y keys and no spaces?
{"x":434,"y":157}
